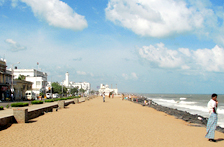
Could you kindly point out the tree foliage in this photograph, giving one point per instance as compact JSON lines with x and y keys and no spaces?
{"x":57,"y":88}
{"x":82,"y":90}
{"x":74,"y":90}
{"x":92,"y":92}
{"x":21,"y":77}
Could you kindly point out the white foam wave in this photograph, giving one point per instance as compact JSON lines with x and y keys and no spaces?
{"x":183,"y":98}
{"x":174,"y":102}
{"x":165,"y":100}
{"x":188,"y":103}
{"x":220,"y":111}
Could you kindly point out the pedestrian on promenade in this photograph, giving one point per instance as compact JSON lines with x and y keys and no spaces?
{"x":103,"y":96}
{"x":212,"y":120}
{"x":12,"y":97}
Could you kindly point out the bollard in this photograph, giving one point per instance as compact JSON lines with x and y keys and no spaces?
{"x":21,"y":115}
{"x":76,"y":100}
{"x":61,"y":104}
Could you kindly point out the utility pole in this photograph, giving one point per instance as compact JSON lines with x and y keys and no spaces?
{"x":12,"y":89}
{"x":51,"y":88}
{"x":62,"y":89}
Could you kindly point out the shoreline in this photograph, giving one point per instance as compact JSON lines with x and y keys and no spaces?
{"x":194,"y":119}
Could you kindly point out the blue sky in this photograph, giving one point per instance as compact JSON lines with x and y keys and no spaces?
{"x":143,"y":46}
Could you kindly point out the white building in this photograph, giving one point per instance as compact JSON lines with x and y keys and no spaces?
{"x":82,"y":85}
{"x":38,"y":78}
{"x":107,"y":90}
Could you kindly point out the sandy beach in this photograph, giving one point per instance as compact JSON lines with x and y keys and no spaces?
{"x":113,"y":123}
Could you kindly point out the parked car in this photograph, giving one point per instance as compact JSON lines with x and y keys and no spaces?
{"x":48,"y":95}
{"x":55,"y":95}
{"x":30,"y":95}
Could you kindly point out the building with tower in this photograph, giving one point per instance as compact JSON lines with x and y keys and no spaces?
{"x":107,"y":90}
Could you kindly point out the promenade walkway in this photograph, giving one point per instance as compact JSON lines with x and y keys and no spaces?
{"x":9,"y":112}
{"x":115,"y":123}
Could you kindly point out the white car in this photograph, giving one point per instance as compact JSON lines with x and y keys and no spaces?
{"x":30,"y":95}
{"x":55,"y":95}
{"x":48,"y":95}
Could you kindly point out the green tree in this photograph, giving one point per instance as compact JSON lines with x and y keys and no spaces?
{"x":21,"y":77}
{"x":82,"y":90}
{"x":57,"y":88}
{"x":92,"y":92}
{"x":74,"y":90}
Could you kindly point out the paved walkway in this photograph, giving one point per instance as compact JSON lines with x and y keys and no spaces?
{"x":114,"y":123}
{"x":9,"y":112}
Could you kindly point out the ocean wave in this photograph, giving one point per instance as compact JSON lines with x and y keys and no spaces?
{"x":172,"y":101}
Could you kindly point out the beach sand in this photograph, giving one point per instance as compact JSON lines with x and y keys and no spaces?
{"x":114,"y":123}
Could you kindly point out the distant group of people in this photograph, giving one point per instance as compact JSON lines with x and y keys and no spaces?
{"x":110,"y":95}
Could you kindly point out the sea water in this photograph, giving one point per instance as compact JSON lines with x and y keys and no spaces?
{"x":192,"y":103}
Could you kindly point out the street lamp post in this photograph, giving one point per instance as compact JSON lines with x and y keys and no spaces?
{"x":13,"y":74}
{"x":62,"y":88}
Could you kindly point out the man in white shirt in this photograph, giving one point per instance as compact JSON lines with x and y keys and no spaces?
{"x":103,"y":96}
{"x":212,"y":120}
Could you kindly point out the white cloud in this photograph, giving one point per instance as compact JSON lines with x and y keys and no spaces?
{"x":160,"y":18}
{"x":183,"y":58}
{"x":57,"y":13}
{"x":81,"y":73}
{"x":15,"y":47}
{"x":132,"y":76}
{"x":14,"y":3}
{"x":125,"y":76}
{"x":210,"y":59}
{"x":161,"y":56}
{"x":2,"y":2}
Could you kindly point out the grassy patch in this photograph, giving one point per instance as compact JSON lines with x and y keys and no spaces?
{"x":69,"y":98}
{"x":20,"y":104}
{"x":37,"y":102}
{"x":49,"y":100}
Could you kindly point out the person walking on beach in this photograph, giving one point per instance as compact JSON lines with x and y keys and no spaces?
{"x":103,"y":96}
{"x":212,"y":120}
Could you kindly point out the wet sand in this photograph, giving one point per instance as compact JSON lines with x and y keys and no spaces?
{"x":113,"y":123}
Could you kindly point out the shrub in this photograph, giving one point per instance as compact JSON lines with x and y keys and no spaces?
{"x":7,"y":106}
{"x":20,"y":104}
{"x":37,"y":102}
{"x":77,"y":96}
{"x":49,"y":100}
{"x":58,"y":99}
{"x":1,"y":108}
{"x":68,"y":98}
{"x":63,"y":98}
